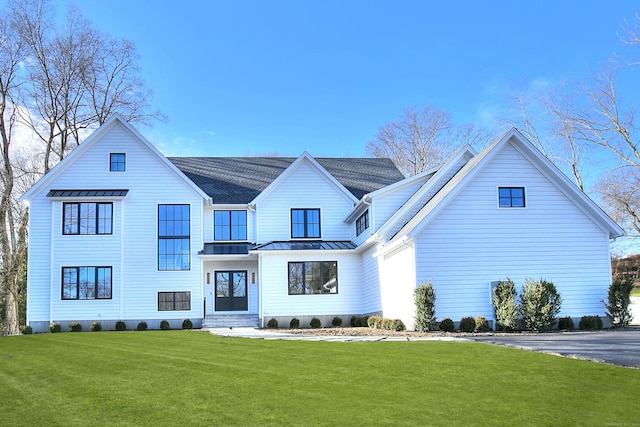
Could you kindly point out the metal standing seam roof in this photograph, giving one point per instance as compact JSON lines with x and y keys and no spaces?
{"x":226,"y":249}
{"x":305,"y":246}
{"x":239,"y":180}
{"x":87,"y":193}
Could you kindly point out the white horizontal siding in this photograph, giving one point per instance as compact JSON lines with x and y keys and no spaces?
{"x":370,"y":283}
{"x":277,"y":301}
{"x":472,"y":243}
{"x":305,"y":187}
{"x":38,"y":268}
{"x":398,"y":281}
{"x":386,"y":205}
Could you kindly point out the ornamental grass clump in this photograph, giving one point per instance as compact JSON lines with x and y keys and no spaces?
{"x":539,"y":305}
{"x":425,"y":301}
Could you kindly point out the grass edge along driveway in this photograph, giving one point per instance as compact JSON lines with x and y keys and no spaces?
{"x":194,"y":378}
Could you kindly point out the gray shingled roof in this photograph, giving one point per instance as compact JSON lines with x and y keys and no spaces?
{"x":239,"y":180}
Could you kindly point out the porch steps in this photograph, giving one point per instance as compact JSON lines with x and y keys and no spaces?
{"x":231,"y":321}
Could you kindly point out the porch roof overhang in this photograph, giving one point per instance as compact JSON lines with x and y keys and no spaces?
{"x":304,"y":245}
{"x":226,"y":251}
{"x":87,"y":194}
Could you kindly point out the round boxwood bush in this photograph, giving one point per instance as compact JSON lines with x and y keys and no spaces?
{"x":566,"y":323}
{"x":467,"y":324}
{"x":54,"y":327}
{"x":27,"y":330}
{"x":142,"y":326}
{"x":75,"y":327}
{"x":315,"y":323}
{"x":397,"y":325}
{"x":272,"y":323}
{"x":336,"y":321}
{"x":446,"y":325}
{"x":482,"y":325}
{"x":187,"y":324}
{"x":121,"y":326}
{"x":590,"y":323}
{"x":96,"y":327}
{"x":294,"y":323}
{"x":164,"y":325}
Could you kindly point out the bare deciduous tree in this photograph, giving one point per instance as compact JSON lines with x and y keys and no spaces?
{"x":57,"y":80}
{"x":420,"y":140}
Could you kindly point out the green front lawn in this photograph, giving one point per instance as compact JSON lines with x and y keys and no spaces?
{"x":635,"y":292}
{"x":190,"y":378}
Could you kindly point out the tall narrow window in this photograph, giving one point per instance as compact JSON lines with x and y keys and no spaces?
{"x":86,"y":283}
{"x":174,"y":237}
{"x":362,"y":223}
{"x":87,"y":218}
{"x":117,"y":162}
{"x":230,"y":225}
{"x":511,"y":197}
{"x":305,"y":223}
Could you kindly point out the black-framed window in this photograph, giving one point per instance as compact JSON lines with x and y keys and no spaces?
{"x":511,"y":197}
{"x":87,"y":218}
{"x":305,"y":223}
{"x":86,"y":283}
{"x":117,"y":162}
{"x":230,"y":225}
{"x":174,"y":301}
{"x":362,"y":223}
{"x":174,"y":237}
{"x":313,"y":277}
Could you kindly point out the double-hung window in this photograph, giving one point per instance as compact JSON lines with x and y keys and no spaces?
{"x":362,"y":223}
{"x":313,"y":277}
{"x":86,"y":283}
{"x":305,"y":223}
{"x":174,"y":237}
{"x":230,"y":225}
{"x":511,"y":197}
{"x":87,"y":218}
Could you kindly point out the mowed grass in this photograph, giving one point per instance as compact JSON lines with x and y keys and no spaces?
{"x":635,"y":292}
{"x":192,"y":378}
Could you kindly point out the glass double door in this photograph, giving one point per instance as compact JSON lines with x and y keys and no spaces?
{"x":231,"y":291}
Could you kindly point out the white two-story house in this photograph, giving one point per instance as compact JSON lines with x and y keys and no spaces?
{"x":120,"y":232}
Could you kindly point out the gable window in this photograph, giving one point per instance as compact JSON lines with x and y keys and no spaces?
{"x":174,"y":301}
{"x":87,"y":218}
{"x":313,"y":277}
{"x":230,"y":225}
{"x":362,"y":223}
{"x":305,"y":223}
{"x":86,"y":283}
{"x":511,"y":197}
{"x":174,"y":238}
{"x":117,"y":162}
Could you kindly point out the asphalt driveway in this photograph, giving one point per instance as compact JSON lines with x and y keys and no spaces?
{"x":616,"y":347}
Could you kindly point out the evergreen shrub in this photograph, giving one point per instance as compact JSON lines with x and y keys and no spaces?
{"x":482,"y":325}
{"x":96,"y":327}
{"x":187,"y":324}
{"x":75,"y":327}
{"x":505,"y":305}
{"x":294,"y":323}
{"x":336,"y":322}
{"x":121,"y":326}
{"x":566,"y":323}
{"x":618,"y":301}
{"x":142,"y":326}
{"x":446,"y":325}
{"x":54,"y":327}
{"x":27,"y":330}
{"x":467,"y":324}
{"x":164,"y":325}
{"x":315,"y":323}
{"x":539,"y":304}
{"x":425,"y":300}
{"x":272,"y":323}
{"x":590,"y":323}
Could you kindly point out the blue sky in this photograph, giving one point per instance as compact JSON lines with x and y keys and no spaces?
{"x":263,"y":77}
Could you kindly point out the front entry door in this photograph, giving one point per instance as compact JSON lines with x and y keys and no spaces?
{"x":231,"y":291}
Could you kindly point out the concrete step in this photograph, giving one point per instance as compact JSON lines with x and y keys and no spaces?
{"x":231,"y":321}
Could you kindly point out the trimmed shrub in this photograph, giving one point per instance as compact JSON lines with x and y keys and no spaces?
{"x":505,"y":306}
{"x":187,"y":324}
{"x":482,"y":325}
{"x":467,"y":324}
{"x":142,"y":326}
{"x":164,"y":325}
{"x":272,"y":323}
{"x":397,"y":325}
{"x":336,"y":322}
{"x":54,"y":327}
{"x":385,"y":323}
{"x":539,"y":304}
{"x":425,"y":299}
{"x":618,"y":301}
{"x":96,"y":327}
{"x":355,"y":321}
{"x":590,"y":323}
{"x":446,"y":325}
{"x":27,"y":330}
{"x":75,"y":327}
{"x":566,"y":323}
{"x":294,"y":323}
{"x":364,"y":321}
{"x":315,"y":323}
{"x":374,"y":322}
{"x":121,"y":326}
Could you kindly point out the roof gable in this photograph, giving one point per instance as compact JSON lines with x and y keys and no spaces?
{"x":476,"y":164}
{"x":97,"y":135}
